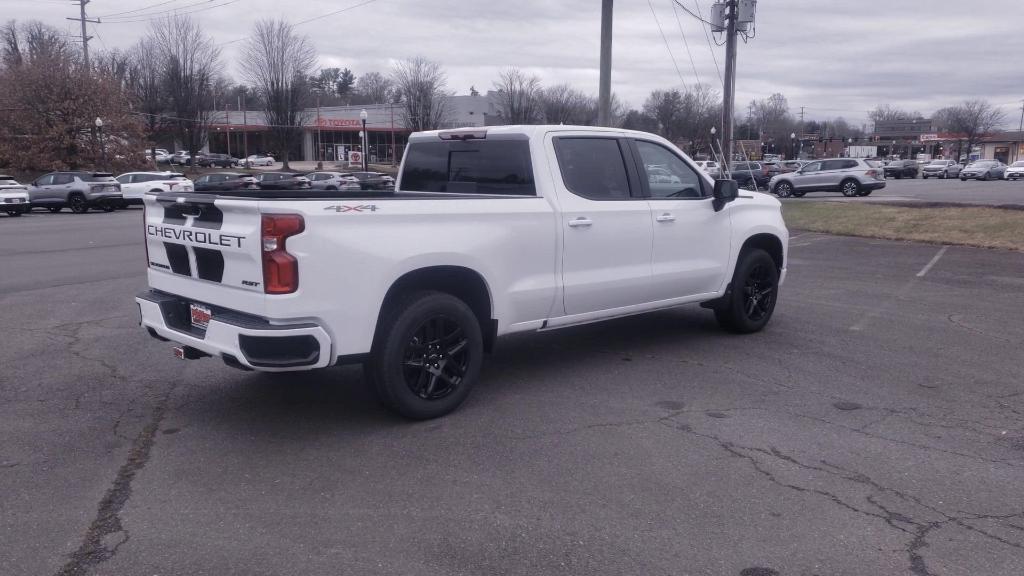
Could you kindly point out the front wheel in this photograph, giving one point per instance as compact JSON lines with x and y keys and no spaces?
{"x":427,"y":355}
{"x":985,"y":177}
{"x":750,"y":185}
{"x":748,"y":305}
{"x":783,"y":189}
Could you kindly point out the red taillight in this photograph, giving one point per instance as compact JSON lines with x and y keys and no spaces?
{"x":280,"y":269}
{"x":872,"y":173}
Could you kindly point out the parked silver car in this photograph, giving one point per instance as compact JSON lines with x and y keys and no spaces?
{"x":941,"y":169}
{"x":333,"y":181}
{"x":983,"y":170}
{"x":851,"y":176}
{"x":76,"y":190}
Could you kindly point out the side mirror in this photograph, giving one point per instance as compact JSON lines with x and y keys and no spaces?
{"x":725,"y":191}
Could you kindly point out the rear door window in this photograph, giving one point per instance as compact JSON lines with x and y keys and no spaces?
{"x":593,"y":168}
{"x":63,"y":178}
{"x":468,"y":167}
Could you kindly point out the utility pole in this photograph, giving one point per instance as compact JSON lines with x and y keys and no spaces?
{"x":801,"y":118}
{"x":1020,"y":131}
{"x":85,"y":37}
{"x":604,"y":95}
{"x":729,"y":91}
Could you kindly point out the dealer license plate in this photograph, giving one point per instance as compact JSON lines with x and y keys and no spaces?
{"x":200,"y":315}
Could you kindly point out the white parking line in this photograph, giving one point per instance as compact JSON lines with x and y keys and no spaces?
{"x":929,"y":265}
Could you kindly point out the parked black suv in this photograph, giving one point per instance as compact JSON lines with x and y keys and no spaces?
{"x":225,"y":181}
{"x":902,"y":169}
{"x":750,"y":175}
{"x":282,"y":181}
{"x":375,"y":180}
{"x":217,"y":161}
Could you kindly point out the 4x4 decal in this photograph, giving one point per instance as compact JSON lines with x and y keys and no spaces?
{"x":360,"y":208}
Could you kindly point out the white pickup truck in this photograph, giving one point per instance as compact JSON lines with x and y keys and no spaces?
{"x":489,"y":231}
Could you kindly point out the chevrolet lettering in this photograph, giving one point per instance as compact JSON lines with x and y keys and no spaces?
{"x":195,"y":236}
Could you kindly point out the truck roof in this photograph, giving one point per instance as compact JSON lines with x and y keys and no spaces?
{"x":527,"y":130}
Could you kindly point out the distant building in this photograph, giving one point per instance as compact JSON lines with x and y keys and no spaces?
{"x":330,"y":132}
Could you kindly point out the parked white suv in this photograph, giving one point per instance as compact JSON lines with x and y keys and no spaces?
{"x":14,"y":198}
{"x":491,"y":231}
{"x":851,"y":176}
{"x":135,"y":184}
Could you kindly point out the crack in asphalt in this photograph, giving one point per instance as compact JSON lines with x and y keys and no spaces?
{"x":918,"y":529}
{"x":92,"y":551}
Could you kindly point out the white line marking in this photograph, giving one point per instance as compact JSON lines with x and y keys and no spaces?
{"x":929,"y":265}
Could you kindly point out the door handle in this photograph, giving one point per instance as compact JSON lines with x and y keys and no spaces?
{"x":580,"y":222}
{"x":666,"y":217}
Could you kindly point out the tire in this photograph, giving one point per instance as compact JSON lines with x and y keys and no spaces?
{"x":77,"y":203}
{"x":850,"y":188}
{"x":799,"y":194}
{"x":784,"y":189}
{"x":331,"y":188}
{"x":750,"y":185}
{"x":108,"y":207}
{"x":14,"y":213}
{"x":962,"y":179}
{"x":985,"y":177}
{"x":864,"y":193}
{"x":945,"y":175}
{"x":55,"y":209}
{"x":400,"y":369}
{"x":742,"y":311}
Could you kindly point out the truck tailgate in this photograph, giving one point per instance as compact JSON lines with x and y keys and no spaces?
{"x":206,"y":248}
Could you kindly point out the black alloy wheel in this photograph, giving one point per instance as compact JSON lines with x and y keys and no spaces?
{"x":759,"y":293}
{"x":427,"y":355}
{"x":436,"y":358}
{"x":78,"y":204}
{"x":750,"y":301}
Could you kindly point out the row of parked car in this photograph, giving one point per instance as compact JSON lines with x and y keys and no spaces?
{"x":82,"y":191}
{"x":183,"y":158}
{"x":854,"y":176}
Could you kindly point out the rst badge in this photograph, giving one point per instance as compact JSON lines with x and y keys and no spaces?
{"x":359,"y":208}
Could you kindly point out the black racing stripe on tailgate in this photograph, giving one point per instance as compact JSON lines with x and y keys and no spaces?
{"x":209,"y":264}
{"x":177,"y":256}
{"x":210,"y":217}
{"x":173,"y":215}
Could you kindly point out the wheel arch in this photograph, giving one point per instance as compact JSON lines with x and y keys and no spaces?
{"x":464,"y":283}
{"x":768,"y":242}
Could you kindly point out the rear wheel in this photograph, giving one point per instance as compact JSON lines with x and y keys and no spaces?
{"x":427,"y":356}
{"x":864,"y":193}
{"x":850,"y":188}
{"x":55,"y":209}
{"x":77,"y":203}
{"x":784,"y":189}
{"x":14,"y":213}
{"x":750,"y":302}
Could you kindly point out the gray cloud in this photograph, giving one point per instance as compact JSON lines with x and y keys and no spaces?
{"x":833,"y":57}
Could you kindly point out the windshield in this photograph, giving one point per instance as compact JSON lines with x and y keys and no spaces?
{"x":982,"y":164}
{"x":937,"y":163}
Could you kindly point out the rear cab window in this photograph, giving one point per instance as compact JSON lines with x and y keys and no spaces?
{"x":593,"y":167}
{"x":476,"y":166}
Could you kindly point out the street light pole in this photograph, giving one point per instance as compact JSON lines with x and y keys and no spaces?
{"x":362,"y":116}
{"x":103,"y":147}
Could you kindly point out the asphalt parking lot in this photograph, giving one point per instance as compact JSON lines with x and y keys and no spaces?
{"x":875,"y":428}
{"x":952,"y":191}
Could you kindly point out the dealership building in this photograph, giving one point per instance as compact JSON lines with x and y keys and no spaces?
{"x":330,"y":132}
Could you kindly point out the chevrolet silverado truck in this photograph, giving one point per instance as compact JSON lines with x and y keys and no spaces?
{"x":489,"y":231}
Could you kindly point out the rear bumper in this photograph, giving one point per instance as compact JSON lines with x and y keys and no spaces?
{"x":241,"y":340}
{"x":875,"y":185}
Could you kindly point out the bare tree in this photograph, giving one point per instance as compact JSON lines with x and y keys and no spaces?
{"x":519,"y":96}
{"x":34,"y":41}
{"x":889,"y":113}
{"x":420,"y":83}
{"x":144,"y":81}
{"x":970,"y":120}
{"x":374,"y":88}
{"x":666,"y":108}
{"x":277,"y":62}
{"x":189,"y":60}
{"x":563,"y":104}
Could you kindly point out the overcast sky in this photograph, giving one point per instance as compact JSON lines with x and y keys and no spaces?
{"x":834,"y":57}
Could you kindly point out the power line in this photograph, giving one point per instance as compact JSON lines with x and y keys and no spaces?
{"x":688,"y":11}
{"x":138,"y":9}
{"x":667,"y":47}
{"x":686,"y":44}
{"x":308,"y":20}
{"x":707,"y":37}
{"x":176,"y":12}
